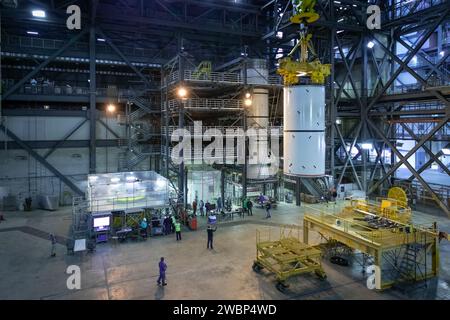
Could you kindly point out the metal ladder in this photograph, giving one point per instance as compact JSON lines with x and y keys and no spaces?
{"x":409,"y":271}
{"x":408,"y":268}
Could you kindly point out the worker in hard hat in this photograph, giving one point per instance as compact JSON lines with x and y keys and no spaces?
{"x":249,"y":207}
{"x":178,"y":229}
{"x":261,"y":200}
{"x":210,"y":230}
{"x":144,"y":226}
{"x":167,"y":225}
{"x":244,"y":206}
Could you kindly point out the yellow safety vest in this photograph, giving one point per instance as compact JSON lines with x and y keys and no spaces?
{"x":177,"y":227}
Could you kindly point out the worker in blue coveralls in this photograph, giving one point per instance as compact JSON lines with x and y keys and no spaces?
{"x":162,"y":272}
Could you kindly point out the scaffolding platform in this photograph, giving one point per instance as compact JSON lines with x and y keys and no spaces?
{"x":403,"y":252}
{"x":218,"y":78}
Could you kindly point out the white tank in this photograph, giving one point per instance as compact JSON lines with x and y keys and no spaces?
{"x":304,"y":131}
{"x":258,"y":118}
{"x":258,"y":112}
{"x":258,"y":167}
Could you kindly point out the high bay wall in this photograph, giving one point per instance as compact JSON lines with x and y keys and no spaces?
{"x":22,"y":175}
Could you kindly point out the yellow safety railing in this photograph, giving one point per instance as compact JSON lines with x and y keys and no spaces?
{"x":384,"y":236}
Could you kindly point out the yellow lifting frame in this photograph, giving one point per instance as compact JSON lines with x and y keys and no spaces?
{"x":291,"y":70}
{"x":287,"y":257}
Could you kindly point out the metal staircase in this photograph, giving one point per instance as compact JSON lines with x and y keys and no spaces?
{"x":122,"y":164}
{"x":142,"y":132}
{"x":135,"y":154}
{"x":135,"y":159}
{"x":138,"y":134}
{"x":318,"y":187}
{"x":413,"y":267}
{"x":407,"y":269}
{"x":142,"y":104}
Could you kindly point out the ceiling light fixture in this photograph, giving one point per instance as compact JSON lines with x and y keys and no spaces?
{"x":38,"y":13}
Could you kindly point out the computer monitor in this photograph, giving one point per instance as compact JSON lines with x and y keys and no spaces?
{"x":101,"y":222}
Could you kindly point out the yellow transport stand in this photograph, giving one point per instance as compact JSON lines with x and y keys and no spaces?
{"x":287,"y":257}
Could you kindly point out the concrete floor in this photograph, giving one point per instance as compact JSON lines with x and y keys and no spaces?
{"x":129,"y":270}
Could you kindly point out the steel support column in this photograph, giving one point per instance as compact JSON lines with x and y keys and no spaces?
{"x":181,"y":167}
{"x":181,"y":172}
{"x":222,"y":186}
{"x":332,"y":105}
{"x":92,"y":92}
{"x":364,"y":88}
{"x":245,"y":124}
{"x":297,"y":191}
{"x":165,"y":101}
{"x":92,"y":102}
{"x":244,"y":168}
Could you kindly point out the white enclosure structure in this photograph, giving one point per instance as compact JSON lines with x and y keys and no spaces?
{"x":126,"y":190}
{"x":304,"y":131}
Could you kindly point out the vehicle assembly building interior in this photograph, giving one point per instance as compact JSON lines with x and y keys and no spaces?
{"x":266,"y":149}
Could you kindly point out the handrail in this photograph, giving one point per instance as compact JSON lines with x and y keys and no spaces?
{"x":191,"y":75}
{"x":51,"y":89}
{"x":205,"y":104}
{"x":371,"y":235}
{"x":216,"y":77}
{"x":155,"y":200}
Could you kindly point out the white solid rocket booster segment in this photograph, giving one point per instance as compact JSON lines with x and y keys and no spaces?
{"x":304,"y":130}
